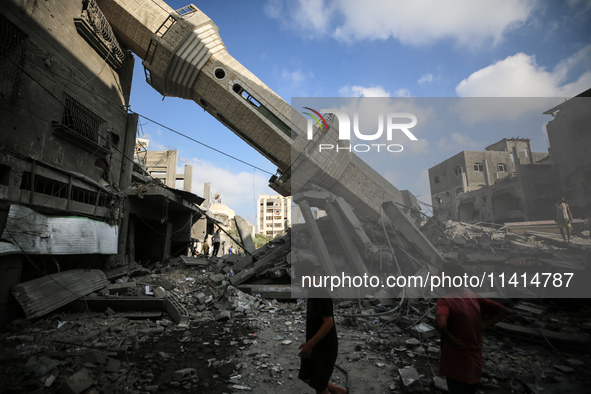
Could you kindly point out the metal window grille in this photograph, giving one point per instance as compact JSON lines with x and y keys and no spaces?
{"x":12,"y":51}
{"x":82,"y":120}
{"x":102,"y":28}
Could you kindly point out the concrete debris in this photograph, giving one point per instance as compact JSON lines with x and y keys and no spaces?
{"x":207,"y":335}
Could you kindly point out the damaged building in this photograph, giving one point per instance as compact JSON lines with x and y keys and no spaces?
{"x":507,"y":182}
{"x":83,"y":211}
{"x":70,"y":196}
{"x":569,"y":133}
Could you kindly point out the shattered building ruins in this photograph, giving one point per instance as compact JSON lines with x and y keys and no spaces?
{"x":70,"y":196}
{"x":509,"y":183}
{"x":66,"y":169}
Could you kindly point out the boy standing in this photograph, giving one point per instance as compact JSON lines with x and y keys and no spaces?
{"x":459,"y":320}
{"x":319,"y":353}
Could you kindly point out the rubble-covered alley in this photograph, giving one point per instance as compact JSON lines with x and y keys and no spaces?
{"x":180,"y":326}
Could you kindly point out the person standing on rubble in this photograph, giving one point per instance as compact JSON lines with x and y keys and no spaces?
{"x":564,"y":218}
{"x":205,"y":248}
{"x":459,"y":320}
{"x":216,"y":243}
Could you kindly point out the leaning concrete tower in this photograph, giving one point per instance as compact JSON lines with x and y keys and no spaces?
{"x":184,"y":56}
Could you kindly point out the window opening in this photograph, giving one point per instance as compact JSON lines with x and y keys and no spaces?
{"x":82,"y":120}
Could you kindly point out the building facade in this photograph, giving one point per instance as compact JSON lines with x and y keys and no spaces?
{"x":66,"y":140}
{"x":273,"y":215}
{"x":506,"y":182}
{"x":569,"y":133}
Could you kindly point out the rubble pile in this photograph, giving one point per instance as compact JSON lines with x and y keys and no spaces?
{"x":185,"y":326}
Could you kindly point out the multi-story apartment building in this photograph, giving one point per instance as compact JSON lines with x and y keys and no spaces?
{"x":273,"y":215}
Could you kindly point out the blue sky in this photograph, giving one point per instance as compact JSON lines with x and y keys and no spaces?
{"x":348,"y":48}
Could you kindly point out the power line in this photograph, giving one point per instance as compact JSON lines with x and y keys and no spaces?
{"x":201,"y":143}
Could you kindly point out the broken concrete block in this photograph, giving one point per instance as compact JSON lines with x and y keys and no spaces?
{"x":49,"y":381}
{"x":410,"y":379}
{"x":354,"y":356}
{"x":231,"y":258}
{"x":121,"y":288}
{"x":176,"y":310}
{"x":440,"y":384}
{"x":223,"y":315}
{"x":201,"y":298}
{"x":412,"y":342}
{"x":166,"y":284}
{"x":160,"y":292}
{"x":423,"y":331}
{"x":217,"y":279}
{"x":76,"y":383}
{"x":184,"y":374}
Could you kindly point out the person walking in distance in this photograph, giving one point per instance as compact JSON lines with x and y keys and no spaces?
{"x":564,"y":218}
{"x":216,"y":243}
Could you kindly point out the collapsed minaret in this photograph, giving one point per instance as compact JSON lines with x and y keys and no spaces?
{"x":184,"y":56}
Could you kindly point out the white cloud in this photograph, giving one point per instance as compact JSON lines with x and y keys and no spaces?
{"x":311,"y":17}
{"x":239,"y":190}
{"x":402,"y":93}
{"x":416,"y":22}
{"x":361,"y":91}
{"x":427,"y":78}
{"x":295,"y":77}
{"x":458,"y":141}
{"x":520,"y":76}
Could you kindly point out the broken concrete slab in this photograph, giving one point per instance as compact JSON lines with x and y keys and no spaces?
{"x":245,"y":236}
{"x":195,"y":261}
{"x":217,"y":279}
{"x":260,"y":265}
{"x":410,"y":379}
{"x":279,"y":292}
{"x":77,"y":383}
{"x":40,"y":296}
{"x":423,"y":331}
{"x":412,"y":234}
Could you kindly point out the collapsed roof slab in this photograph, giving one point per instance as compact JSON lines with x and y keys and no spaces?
{"x":40,"y":296}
